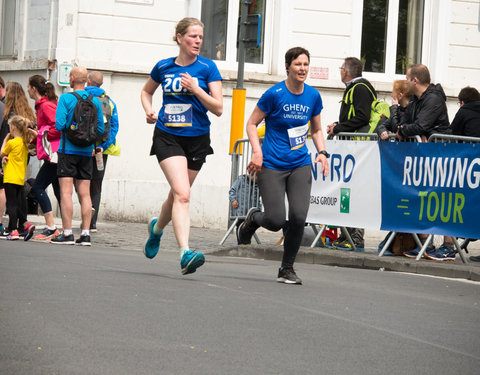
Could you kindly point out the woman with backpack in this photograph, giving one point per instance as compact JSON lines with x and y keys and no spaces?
{"x":191,"y":86}
{"x":43,"y":92}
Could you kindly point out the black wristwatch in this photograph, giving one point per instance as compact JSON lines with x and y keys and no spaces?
{"x":324,"y":152}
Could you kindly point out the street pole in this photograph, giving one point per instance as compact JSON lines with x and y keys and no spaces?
{"x":239,"y":93}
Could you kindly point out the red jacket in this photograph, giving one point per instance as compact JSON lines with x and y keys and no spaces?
{"x":46,"y":123}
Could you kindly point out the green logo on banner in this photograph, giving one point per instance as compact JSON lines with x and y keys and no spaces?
{"x":345,"y":200}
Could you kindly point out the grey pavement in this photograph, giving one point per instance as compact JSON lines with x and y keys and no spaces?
{"x":104,"y":310}
{"x":131,"y":236}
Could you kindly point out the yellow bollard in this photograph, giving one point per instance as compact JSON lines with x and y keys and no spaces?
{"x":238,"y":117}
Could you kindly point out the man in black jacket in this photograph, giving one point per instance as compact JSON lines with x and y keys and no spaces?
{"x":425,"y":115}
{"x":427,"y":111}
{"x":354,"y":116}
{"x":467,"y":119}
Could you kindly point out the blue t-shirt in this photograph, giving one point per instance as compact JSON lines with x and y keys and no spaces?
{"x":182,"y":113}
{"x":287,"y":125}
{"x":63,"y":119}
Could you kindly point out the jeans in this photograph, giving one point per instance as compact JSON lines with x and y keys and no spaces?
{"x":46,"y":175}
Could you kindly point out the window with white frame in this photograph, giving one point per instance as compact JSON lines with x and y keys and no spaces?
{"x":220,"y":18}
{"x":392,"y":35}
{"x":7,"y":28}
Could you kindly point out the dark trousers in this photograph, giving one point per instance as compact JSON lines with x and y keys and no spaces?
{"x":46,"y":175}
{"x":296,"y":185}
{"x":16,"y":206}
{"x":96,"y":188}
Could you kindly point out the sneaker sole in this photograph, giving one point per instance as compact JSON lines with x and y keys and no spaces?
{"x":41,"y":239}
{"x":63,"y":243}
{"x":197,"y":261}
{"x":410,"y":256}
{"x":286,"y":281}
{"x":29,"y":235}
{"x":83,"y":244}
{"x":149,"y":234}
{"x":441,"y":259}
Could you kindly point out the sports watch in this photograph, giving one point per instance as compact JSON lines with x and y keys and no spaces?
{"x":324,"y":152}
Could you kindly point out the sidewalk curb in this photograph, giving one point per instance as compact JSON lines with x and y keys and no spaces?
{"x":351,"y":259}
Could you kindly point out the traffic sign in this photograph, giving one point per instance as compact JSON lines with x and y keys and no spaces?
{"x":63,"y":74}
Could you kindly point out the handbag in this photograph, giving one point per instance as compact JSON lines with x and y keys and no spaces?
{"x":52,"y":157}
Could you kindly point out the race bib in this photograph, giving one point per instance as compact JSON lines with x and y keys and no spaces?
{"x":177,"y":115}
{"x":297,"y":136}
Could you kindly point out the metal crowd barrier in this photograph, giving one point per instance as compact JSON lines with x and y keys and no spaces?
{"x":249,"y":195}
{"x":343,"y":136}
{"x":241,"y":156}
{"x":449,"y":138}
{"x":438,"y":138}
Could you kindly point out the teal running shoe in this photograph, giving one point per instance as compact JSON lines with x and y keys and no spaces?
{"x":191,"y":260}
{"x":150,"y":249}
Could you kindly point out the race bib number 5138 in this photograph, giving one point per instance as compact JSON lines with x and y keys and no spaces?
{"x":177,"y":115}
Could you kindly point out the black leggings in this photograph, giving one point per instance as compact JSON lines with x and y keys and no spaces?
{"x":96,"y":187}
{"x":16,"y":206}
{"x":273,"y":185}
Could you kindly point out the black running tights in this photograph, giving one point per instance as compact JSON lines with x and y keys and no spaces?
{"x":274,"y":185}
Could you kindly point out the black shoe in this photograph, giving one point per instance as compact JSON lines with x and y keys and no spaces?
{"x":474,"y":258}
{"x":288,"y":276}
{"x":63,"y":240}
{"x":5,"y":233}
{"x":93,"y":228}
{"x":83,"y":241}
{"x":248,"y":228}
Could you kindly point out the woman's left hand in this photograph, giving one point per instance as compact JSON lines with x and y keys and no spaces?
{"x":321,"y":158}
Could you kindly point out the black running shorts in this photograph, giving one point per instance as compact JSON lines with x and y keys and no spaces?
{"x":195,"y":149}
{"x":76,"y":166}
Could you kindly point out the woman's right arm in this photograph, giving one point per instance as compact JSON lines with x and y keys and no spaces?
{"x":146,"y":97}
{"x":256,"y":118}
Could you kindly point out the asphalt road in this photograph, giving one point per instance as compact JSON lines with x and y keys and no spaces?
{"x":78,"y":310}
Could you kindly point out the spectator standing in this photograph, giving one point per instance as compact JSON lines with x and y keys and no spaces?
{"x":16,"y":103}
{"x":3,"y":133}
{"x":354,"y":116}
{"x":108,"y":144}
{"x":2,"y":90}
{"x":282,"y":162}
{"x":43,"y":92}
{"x":426,"y":114}
{"x":192,"y":86}
{"x":15,"y":156}
{"x":75,"y":162}
{"x":467,"y":119}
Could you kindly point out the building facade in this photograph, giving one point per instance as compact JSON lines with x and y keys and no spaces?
{"x":125,"y":38}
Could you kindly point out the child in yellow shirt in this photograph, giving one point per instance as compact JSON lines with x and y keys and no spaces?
{"x":14,"y":158}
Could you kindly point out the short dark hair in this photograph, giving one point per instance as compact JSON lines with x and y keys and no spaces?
{"x":293,"y":53}
{"x":353,"y":66}
{"x":420,"y":72}
{"x":469,"y":94}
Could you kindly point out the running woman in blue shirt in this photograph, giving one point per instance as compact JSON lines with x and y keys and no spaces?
{"x":282,"y":161}
{"x":192,"y":85}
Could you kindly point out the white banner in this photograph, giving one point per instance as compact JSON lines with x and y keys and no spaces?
{"x":351,"y":194}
